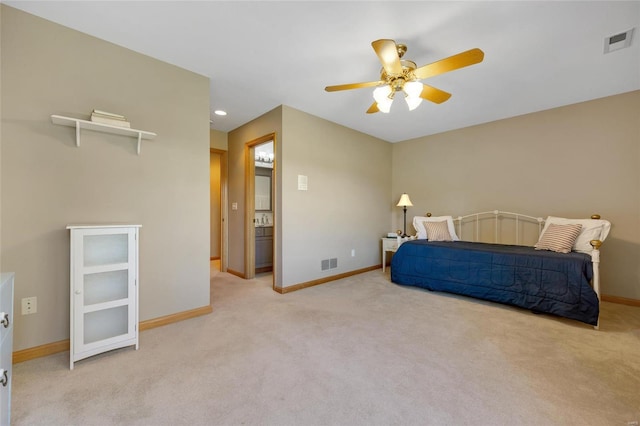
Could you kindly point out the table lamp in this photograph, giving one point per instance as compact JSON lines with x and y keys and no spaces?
{"x":404,"y":202}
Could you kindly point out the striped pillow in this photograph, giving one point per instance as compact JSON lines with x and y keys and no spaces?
{"x":437,"y":231}
{"x":559,"y":238}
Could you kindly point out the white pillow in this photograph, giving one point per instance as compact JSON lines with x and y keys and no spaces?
{"x":592,"y":229}
{"x":422,"y":233}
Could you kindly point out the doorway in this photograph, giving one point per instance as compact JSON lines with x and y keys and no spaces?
{"x":260,"y":205}
{"x":218,"y":202}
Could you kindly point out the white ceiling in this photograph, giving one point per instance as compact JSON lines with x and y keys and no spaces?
{"x":259,"y":55}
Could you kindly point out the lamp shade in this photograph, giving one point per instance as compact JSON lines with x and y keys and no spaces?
{"x":381,"y":95}
{"x":413,"y":103}
{"x":404,"y":201}
{"x":413,"y":89}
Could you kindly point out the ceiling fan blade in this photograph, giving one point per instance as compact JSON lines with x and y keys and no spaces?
{"x":373,"y":108}
{"x":451,"y":63}
{"x":387,"y":51}
{"x":434,"y":95}
{"x":353,"y":86}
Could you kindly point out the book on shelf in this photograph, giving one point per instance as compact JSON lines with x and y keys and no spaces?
{"x":106,"y":114}
{"x":110,"y":121}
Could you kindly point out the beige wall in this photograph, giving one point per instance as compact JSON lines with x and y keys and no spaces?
{"x":1,"y":270}
{"x":572,"y":161}
{"x":218,"y":140}
{"x":271,"y":122}
{"x":347,"y":206}
{"x":214,"y":182}
{"x":48,"y":183}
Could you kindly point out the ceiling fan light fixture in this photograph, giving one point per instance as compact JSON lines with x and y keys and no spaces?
{"x":384,"y":98}
{"x":401,"y":75}
{"x":412,"y":103}
{"x":385,"y":105}
{"x":413,"y":89}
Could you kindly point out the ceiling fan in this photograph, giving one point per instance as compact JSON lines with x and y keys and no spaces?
{"x":401,"y":75}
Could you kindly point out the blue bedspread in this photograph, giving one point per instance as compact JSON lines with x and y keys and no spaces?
{"x":543,"y":281}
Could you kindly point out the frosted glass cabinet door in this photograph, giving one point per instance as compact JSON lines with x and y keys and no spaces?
{"x":104,"y":291}
{"x":5,"y":379}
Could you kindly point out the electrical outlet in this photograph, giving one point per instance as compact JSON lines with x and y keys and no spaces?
{"x":353,"y":252}
{"x":29,"y":305}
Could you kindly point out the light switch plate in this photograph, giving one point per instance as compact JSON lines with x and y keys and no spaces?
{"x":303,"y":183}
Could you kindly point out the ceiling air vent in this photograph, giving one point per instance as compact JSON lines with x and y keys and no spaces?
{"x":618,"y":41}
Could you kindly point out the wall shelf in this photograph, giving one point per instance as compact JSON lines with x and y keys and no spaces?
{"x":100,"y":127}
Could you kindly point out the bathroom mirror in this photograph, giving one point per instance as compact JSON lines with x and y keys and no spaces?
{"x":263,"y":189}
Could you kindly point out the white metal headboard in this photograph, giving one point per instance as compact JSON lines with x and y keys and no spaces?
{"x":497,"y":214}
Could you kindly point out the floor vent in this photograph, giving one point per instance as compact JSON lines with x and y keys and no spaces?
{"x":618,"y":41}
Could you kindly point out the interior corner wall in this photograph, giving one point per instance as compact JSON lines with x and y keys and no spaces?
{"x":572,"y":161}
{"x":270,"y":122}
{"x":48,"y":182}
{"x":347,"y":205}
{"x":218,"y":140}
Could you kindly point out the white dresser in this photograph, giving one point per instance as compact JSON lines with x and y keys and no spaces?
{"x":6,"y":345}
{"x":104,"y":289}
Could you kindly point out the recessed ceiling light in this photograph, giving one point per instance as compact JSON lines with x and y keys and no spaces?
{"x":219,"y":112}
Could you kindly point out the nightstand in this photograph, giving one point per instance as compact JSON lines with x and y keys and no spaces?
{"x":391,"y":245}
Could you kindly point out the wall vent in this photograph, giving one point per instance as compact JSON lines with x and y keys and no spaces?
{"x":618,"y":41}
{"x":329,"y":264}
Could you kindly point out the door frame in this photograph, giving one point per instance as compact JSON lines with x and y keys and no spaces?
{"x":249,"y":209}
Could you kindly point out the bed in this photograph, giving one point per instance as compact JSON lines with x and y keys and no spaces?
{"x":557,"y":275}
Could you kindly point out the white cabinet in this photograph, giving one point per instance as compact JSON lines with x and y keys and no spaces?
{"x":104,"y":289}
{"x":391,"y":245}
{"x":6,"y":345}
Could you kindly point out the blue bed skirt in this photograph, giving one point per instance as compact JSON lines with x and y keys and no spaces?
{"x":543,"y":281}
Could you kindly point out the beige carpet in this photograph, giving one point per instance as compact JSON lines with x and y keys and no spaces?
{"x":358,"y":351}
